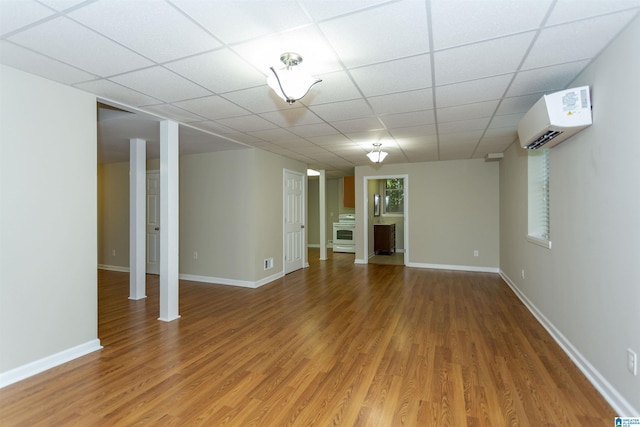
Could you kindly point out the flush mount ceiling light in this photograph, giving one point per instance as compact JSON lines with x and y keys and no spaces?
{"x":377,"y":155}
{"x":291,"y":83}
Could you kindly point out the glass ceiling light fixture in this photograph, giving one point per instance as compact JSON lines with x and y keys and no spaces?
{"x":291,"y":83}
{"x":377,"y":155}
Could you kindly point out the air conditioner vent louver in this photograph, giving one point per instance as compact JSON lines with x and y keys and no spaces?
{"x":555,"y":117}
{"x":546,"y":137}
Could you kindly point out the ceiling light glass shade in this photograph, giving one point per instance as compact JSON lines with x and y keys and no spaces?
{"x":377,"y":155}
{"x":291,"y":83}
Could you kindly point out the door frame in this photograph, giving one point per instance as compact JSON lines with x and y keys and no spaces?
{"x":365,"y":209}
{"x":303,"y":243}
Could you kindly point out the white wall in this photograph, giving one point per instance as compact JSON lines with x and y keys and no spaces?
{"x":453,"y":210}
{"x":113,"y":215}
{"x":231,"y":213}
{"x":48,"y":245}
{"x":586,"y":288}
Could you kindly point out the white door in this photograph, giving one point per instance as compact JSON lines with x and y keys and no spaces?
{"x":293,"y":221}
{"x":153,"y":222}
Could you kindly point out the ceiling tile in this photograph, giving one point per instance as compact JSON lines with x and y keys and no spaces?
{"x":403,"y":102}
{"x":244,"y":138}
{"x":310,"y":131}
{"x":395,"y":76}
{"x":164,"y":84}
{"x":19,"y":13}
{"x":358,"y":125}
{"x":247,"y":123}
{"x":415,"y":118}
{"x":34,"y":63}
{"x":372,"y":55}
{"x":548,"y":79}
{"x":317,"y":56}
{"x":566,"y":10}
{"x":237,"y":21}
{"x":460,"y":22}
{"x":214,"y":127}
{"x":518,"y":104}
{"x":329,"y":140}
{"x":417,"y":143}
{"x":89,"y":51}
{"x":463,"y":126}
{"x":467,"y":112}
{"x":494,"y":57}
{"x":61,"y":5}
{"x":172,"y":112}
{"x":321,"y":10}
{"x":292,"y":117}
{"x":460,"y":138}
{"x":471,"y":92}
{"x":259,"y":99}
{"x":414,"y":131}
{"x":358,"y":39}
{"x":580,"y":40}
{"x":334,"y":87}
{"x":219,"y":71}
{"x":115,"y":92}
{"x":212,"y":107}
{"x":275,"y":135}
{"x":343,"y":110}
{"x":154,"y":29}
{"x":506,"y":121}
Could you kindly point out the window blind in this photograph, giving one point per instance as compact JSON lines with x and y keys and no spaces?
{"x":538,"y":177}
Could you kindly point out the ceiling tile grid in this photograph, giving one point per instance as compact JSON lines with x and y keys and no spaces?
{"x":429,"y":79}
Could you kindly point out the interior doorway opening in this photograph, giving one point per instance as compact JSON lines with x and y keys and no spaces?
{"x":386,"y":206}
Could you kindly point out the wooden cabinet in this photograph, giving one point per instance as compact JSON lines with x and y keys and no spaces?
{"x":349,"y":192}
{"x":384,"y":238}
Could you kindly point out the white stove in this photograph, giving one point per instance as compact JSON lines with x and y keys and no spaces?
{"x":344,"y":233}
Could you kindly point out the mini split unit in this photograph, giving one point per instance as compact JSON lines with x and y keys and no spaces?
{"x":555,"y":117}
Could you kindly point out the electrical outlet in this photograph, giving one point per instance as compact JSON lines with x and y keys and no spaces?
{"x":195,"y":254}
{"x":476,"y":252}
{"x":523,"y":273}
{"x":632,"y":362}
{"x":268,"y":263}
{"x":113,"y":252}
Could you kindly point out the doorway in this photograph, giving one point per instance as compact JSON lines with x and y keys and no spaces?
{"x":387,"y":212}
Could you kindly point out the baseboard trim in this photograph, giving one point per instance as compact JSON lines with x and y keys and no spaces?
{"x":454,"y":267}
{"x":232,"y":282}
{"x":30,"y":369}
{"x":620,"y":405}
{"x":113,"y":268}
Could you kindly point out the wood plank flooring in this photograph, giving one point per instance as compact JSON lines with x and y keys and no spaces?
{"x":336,"y":344}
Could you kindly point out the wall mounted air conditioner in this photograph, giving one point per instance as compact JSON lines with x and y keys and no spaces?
{"x":555,"y":117}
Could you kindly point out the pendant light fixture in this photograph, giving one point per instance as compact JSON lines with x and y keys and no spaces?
{"x":290,"y":83}
{"x":377,"y":155}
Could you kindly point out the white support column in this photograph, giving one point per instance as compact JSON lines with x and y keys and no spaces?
{"x":169,"y":221}
{"x":323,"y":214}
{"x":137,"y":218}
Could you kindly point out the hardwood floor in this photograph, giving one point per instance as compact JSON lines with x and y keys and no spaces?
{"x":333,"y":344}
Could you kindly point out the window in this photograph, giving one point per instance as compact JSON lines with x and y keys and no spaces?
{"x":538,"y":211}
{"x":394,"y":196}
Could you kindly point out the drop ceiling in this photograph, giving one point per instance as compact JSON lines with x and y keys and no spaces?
{"x":431,"y":80}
